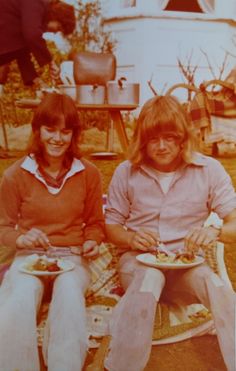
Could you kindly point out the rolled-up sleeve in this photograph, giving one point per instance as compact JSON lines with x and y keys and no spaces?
{"x":118,"y":204}
{"x":222,"y":193}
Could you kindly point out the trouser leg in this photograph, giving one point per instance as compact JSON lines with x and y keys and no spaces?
{"x":26,"y":66}
{"x":66,"y":342}
{"x":20,"y":297}
{"x":132,"y":322}
{"x":203,"y":284}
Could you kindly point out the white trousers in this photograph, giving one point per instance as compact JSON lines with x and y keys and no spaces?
{"x":65,"y":341}
{"x":133,"y":318}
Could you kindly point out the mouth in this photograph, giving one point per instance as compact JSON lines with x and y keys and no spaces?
{"x":163,"y":154}
{"x":56,"y":146}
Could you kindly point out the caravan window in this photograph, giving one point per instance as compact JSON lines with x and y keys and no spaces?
{"x":191,"y":6}
{"x":184,"y":6}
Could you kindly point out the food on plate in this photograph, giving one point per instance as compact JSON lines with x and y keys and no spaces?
{"x":163,"y":257}
{"x":179,"y":258}
{"x":186,"y":258}
{"x":43,"y":264}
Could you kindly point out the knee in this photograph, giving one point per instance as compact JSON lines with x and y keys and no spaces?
{"x":128,"y":263}
{"x":202,"y":272}
{"x":70,"y":281}
{"x":31,"y":283}
{"x":64,"y":281}
{"x":128,"y":268}
{"x":152,"y":281}
{"x":29,"y":289}
{"x":156,"y":276}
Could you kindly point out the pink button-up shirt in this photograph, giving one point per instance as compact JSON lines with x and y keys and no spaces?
{"x":135,"y":198}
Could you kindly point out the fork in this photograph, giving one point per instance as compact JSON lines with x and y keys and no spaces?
{"x":50,"y":252}
{"x":162,"y":247}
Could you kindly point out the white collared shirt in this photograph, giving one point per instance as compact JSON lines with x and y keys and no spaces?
{"x":31,"y":165}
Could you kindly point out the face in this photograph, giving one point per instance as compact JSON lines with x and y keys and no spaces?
{"x":164,"y":151}
{"x":55,"y":140}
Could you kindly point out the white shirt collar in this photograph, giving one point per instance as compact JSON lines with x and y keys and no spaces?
{"x":31,"y":165}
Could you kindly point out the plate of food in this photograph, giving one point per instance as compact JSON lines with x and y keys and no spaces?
{"x":173,"y":261}
{"x":44,"y":266}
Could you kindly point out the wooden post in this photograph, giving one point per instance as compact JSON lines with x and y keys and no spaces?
{"x":3,"y":125}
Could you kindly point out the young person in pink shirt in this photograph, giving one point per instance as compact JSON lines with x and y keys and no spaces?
{"x":164,"y":193}
{"x":51,"y":197}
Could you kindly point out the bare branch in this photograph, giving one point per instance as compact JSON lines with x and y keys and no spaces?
{"x":150,"y":85}
{"x":208,"y":62}
{"x":222,"y":69}
{"x":229,"y":53}
{"x":182,"y":69}
{"x":163,"y":88}
{"x":188,"y":71}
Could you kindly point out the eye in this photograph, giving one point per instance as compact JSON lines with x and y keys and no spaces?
{"x":170,"y":138}
{"x":154,"y":140}
{"x":48,"y":128}
{"x":66,"y":131}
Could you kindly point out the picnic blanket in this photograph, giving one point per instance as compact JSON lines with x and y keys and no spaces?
{"x":173,"y":323}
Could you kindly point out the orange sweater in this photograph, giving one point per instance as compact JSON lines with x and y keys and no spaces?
{"x":68,"y":218}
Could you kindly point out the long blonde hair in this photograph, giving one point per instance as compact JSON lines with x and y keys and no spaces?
{"x":159,"y":115}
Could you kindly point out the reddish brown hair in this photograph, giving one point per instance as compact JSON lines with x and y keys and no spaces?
{"x":53,"y":107}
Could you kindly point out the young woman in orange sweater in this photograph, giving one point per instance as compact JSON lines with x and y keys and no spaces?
{"x":51,"y":197}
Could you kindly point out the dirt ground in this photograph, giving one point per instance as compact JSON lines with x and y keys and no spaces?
{"x":196,"y":354}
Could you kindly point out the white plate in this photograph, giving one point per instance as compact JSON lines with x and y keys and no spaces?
{"x":151,"y":261}
{"x":65,"y":265}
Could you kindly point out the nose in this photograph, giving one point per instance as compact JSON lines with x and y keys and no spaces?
{"x":57,"y":136}
{"x":161,"y":143}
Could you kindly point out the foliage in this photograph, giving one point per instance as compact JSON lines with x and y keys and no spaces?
{"x":89,"y":35}
{"x":98,"y":119}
